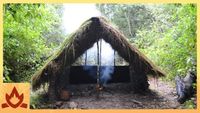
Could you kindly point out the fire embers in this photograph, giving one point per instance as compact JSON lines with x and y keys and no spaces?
{"x":14,"y":100}
{"x":65,"y":95}
{"x":99,"y":87}
{"x":184,"y":87}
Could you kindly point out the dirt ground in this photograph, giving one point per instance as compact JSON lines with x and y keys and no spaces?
{"x":162,"y":95}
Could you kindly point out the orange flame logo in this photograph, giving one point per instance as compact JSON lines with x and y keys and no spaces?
{"x":14,"y":95}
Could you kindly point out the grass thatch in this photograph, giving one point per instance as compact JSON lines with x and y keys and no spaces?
{"x":78,"y":42}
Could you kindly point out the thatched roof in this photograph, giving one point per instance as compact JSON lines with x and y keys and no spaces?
{"x":78,"y":42}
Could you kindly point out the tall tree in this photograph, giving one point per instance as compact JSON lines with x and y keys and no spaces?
{"x":166,"y":33}
{"x":129,"y":18}
{"x":26,"y":40}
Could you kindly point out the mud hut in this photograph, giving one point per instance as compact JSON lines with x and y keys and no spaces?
{"x":80,"y":41}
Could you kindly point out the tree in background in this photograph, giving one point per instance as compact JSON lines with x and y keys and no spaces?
{"x":166,"y":33}
{"x":31,"y":32}
{"x":129,"y":18}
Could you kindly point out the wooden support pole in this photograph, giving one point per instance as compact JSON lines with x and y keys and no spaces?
{"x":100,"y":57}
{"x":98,"y":77}
{"x":85,"y":58}
{"x":97,"y":63}
{"x":114,"y":57}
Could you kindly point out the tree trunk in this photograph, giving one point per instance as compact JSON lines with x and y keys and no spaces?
{"x":129,"y":24}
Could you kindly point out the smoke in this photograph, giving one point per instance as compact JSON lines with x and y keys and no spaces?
{"x":75,"y":14}
{"x":105,"y":74}
{"x":107,"y":62}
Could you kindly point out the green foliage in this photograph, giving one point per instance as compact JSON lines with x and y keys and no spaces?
{"x":172,"y":45}
{"x":129,"y":18}
{"x":26,"y":40}
{"x":166,"y":33}
{"x":37,"y":100}
{"x":189,"y":104}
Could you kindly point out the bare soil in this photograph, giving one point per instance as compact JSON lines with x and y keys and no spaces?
{"x":162,"y":95}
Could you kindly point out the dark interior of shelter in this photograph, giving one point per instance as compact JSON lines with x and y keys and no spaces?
{"x":80,"y":76}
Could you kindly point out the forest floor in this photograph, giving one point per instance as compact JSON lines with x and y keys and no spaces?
{"x":162,"y":95}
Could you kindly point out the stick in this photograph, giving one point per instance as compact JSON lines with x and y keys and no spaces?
{"x":137,"y":102}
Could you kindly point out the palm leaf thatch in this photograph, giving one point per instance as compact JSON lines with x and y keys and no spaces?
{"x":78,"y":42}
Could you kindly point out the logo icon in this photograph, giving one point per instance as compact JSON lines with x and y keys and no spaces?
{"x":14,"y":100}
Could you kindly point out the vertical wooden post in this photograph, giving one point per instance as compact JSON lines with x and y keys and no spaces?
{"x":97,"y":62}
{"x":114,"y":58}
{"x":86,"y":58}
{"x":100,"y":58}
{"x":98,"y":77}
